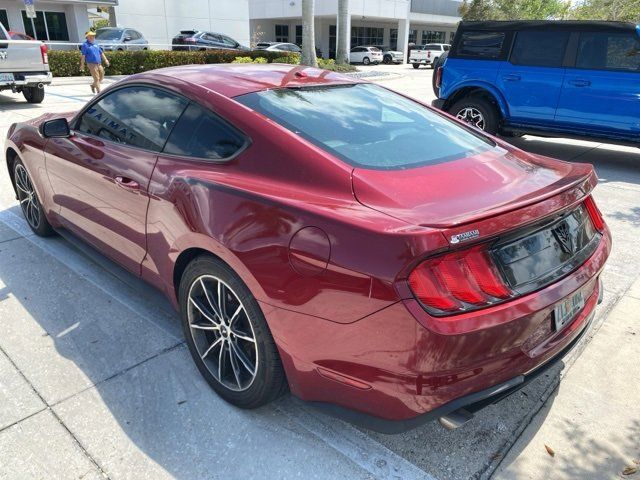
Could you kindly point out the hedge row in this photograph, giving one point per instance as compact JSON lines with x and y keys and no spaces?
{"x":66,"y":63}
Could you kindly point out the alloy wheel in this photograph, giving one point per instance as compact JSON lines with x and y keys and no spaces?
{"x":27,"y":197}
{"x":472,"y":116}
{"x":222,"y":333}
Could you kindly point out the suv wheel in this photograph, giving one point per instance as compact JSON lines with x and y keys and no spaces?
{"x":478,"y":112}
{"x":228,"y":336}
{"x":366,"y":61}
{"x":387,"y":59}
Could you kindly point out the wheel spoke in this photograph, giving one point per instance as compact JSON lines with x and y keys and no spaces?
{"x":212,"y":346}
{"x":211,"y":304}
{"x":200,"y":326}
{"x":243,"y":359}
{"x":221,"y":300}
{"x":201,"y":309}
{"x":234,"y":366}
{"x":220,"y":362}
{"x":243,"y":336}
{"x":235,"y":315}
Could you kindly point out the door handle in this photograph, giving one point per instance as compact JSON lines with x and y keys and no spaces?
{"x":127,"y":183}
{"x":580,"y":83}
{"x":511,"y":78}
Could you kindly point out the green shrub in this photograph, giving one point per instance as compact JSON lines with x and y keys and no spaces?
{"x":242,"y":60}
{"x":291,"y":60}
{"x":66,"y":63}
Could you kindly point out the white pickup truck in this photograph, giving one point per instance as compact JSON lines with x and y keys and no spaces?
{"x":24,"y":67}
{"x":427,"y":54}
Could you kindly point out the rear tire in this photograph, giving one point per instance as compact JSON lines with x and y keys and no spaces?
{"x":474,"y":110}
{"x":256,"y":376}
{"x":33,"y":94}
{"x":29,"y":202}
{"x":416,"y":65}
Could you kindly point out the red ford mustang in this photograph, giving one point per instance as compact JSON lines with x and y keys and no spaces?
{"x":324,"y":234}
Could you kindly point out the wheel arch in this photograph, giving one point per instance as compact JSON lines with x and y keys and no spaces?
{"x":484,"y":91}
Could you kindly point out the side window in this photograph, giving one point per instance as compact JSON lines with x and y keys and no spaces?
{"x":609,"y":51}
{"x":539,"y":48}
{"x":229,"y":42}
{"x":445,"y":48}
{"x":481,"y":44}
{"x":202,"y":134}
{"x":138,"y":116}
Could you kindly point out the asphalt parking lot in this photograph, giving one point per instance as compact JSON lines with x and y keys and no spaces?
{"x":96,"y":382}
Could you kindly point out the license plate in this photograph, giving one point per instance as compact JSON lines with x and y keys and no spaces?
{"x":566,"y":310}
{"x":6,"y":77}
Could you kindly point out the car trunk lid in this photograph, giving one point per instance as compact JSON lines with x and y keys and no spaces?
{"x":461,"y":192}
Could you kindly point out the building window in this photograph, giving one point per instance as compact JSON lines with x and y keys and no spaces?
{"x":282,"y":33}
{"x":429,"y":36}
{"x":413,"y":36}
{"x":332,"y":41}
{"x":4,"y":19}
{"x":299,"y":35}
{"x":46,"y":26}
{"x":367,"y":36}
{"x":393,"y":39}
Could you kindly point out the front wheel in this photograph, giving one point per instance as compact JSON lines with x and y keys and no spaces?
{"x":33,"y":94}
{"x":386,"y":60}
{"x":366,"y":61}
{"x":228,"y":336}
{"x":29,"y":203}
{"x":478,"y":112}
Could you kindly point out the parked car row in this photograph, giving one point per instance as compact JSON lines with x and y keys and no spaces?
{"x":548,"y":78}
{"x":427,"y":54}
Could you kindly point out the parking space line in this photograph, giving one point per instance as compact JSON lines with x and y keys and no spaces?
{"x":347,"y":440}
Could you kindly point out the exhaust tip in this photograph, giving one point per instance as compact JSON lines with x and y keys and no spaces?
{"x":455,"y":419}
{"x":40,"y":86}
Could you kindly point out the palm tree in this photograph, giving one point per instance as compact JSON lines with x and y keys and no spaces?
{"x":308,"y":35}
{"x":342,"y":48}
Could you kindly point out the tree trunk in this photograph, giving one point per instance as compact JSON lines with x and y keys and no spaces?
{"x":112,"y":17}
{"x":308,"y":35}
{"x":342,"y":47}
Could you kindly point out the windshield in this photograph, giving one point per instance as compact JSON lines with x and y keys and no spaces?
{"x":367,"y":126}
{"x":108,"y":34}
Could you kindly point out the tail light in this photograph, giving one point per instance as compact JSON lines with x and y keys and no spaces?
{"x":594,"y":213}
{"x":438,"y":77}
{"x":459,"y":281}
{"x":43,"y":52}
{"x":190,"y":40}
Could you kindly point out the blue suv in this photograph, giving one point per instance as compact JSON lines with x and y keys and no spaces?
{"x":549,"y":78}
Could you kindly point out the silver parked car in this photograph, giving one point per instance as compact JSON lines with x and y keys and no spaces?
{"x":278,"y":47}
{"x":116,"y":38}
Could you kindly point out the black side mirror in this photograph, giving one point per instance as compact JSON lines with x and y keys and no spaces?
{"x":57,"y":128}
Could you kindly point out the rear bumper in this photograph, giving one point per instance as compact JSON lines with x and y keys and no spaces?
{"x":470,"y":404}
{"x":29,"y":79}
{"x":421,"y":61}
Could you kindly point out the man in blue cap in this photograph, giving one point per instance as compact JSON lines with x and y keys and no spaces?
{"x":93,"y":55}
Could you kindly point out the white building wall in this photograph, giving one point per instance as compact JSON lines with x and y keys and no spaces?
{"x":391,"y":9}
{"x":160,"y":20}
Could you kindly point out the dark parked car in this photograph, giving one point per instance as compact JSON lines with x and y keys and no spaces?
{"x":549,"y":78}
{"x":283,"y":210}
{"x":198,"y":40}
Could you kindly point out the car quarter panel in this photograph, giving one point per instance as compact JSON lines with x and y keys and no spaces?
{"x":249,"y":209}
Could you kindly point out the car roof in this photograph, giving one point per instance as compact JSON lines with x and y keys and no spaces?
{"x":514,"y":25}
{"x":232,"y":80}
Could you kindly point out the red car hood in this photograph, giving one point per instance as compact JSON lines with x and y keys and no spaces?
{"x":468,"y":189}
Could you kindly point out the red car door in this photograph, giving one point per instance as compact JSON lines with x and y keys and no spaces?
{"x":100,"y":174}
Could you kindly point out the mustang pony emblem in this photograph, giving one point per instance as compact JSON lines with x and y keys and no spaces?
{"x":563,"y":235}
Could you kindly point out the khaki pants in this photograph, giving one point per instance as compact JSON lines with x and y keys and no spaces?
{"x":97,"y":72}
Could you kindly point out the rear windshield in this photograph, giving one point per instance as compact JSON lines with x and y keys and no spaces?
{"x":367,"y":126}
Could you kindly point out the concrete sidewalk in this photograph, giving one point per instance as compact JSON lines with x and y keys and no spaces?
{"x":592,"y":421}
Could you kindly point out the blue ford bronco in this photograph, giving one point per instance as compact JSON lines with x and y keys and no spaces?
{"x":549,"y":78}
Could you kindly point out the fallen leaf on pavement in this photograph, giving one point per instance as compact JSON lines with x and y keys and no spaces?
{"x":550,"y":450}
{"x":629,"y":470}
